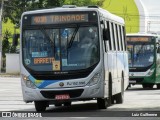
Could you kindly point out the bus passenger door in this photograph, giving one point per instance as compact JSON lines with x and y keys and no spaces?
{"x":158,"y":63}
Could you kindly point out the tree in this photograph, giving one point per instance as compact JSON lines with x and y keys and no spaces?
{"x":84,"y":2}
{"x":14,"y":8}
{"x":5,"y":43}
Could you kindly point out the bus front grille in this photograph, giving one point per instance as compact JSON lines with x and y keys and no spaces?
{"x":138,"y":80}
{"x":52,"y":94}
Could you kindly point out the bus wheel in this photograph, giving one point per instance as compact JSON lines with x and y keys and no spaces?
{"x":67,"y":104}
{"x":102,"y":103}
{"x":120,"y":96}
{"x":158,"y":86}
{"x":40,"y":106}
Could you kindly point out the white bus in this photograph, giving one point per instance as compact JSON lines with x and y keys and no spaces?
{"x":73,"y":54}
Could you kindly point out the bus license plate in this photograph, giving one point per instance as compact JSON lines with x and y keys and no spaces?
{"x":62,"y":97}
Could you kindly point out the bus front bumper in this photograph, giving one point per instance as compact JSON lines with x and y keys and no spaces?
{"x":141,"y":80}
{"x":75,"y":94}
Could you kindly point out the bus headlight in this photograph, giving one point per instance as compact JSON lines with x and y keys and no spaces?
{"x":94,"y":80}
{"x":28,"y":82}
{"x":150,"y":72}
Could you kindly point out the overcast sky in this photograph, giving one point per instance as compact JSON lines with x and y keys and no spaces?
{"x":153,"y":6}
{"x":153,"y":9}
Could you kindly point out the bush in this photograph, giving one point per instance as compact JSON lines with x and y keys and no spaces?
{"x":7,"y":47}
{"x":5,"y":43}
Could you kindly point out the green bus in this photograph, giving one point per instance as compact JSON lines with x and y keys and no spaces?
{"x":144,"y":59}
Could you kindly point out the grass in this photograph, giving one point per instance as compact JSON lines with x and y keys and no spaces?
{"x":126,"y":9}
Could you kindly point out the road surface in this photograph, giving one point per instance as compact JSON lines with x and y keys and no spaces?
{"x":136,"y":101}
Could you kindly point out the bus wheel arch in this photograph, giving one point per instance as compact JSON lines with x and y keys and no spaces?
{"x":110,"y":96}
{"x":103,"y":103}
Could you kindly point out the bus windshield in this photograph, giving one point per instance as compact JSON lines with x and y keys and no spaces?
{"x":141,"y":54}
{"x":60,"y":49}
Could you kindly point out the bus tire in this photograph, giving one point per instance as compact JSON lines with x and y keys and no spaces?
{"x":102,"y":103}
{"x":40,"y":106}
{"x":120,"y":96}
{"x":158,"y":86}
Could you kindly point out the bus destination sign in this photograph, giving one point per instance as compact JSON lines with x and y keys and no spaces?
{"x":138,"y":39}
{"x":62,"y":18}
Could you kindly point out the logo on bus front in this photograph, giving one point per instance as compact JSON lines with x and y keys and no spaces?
{"x":61,"y":84}
{"x":131,"y":74}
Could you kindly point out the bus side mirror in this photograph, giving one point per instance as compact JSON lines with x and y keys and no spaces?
{"x":15,"y":39}
{"x":105,"y":30}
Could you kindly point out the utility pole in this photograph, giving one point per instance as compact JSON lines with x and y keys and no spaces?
{"x":148,"y":26}
{"x":1,"y":13}
{"x":157,"y":22}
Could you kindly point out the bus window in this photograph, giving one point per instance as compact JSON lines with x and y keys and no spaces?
{"x":119,"y":38}
{"x":124,"y":39}
{"x":109,"y":34}
{"x":113,"y":33}
{"x":117,"y":35}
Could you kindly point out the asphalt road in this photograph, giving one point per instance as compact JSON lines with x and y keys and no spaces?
{"x":137,"y":101}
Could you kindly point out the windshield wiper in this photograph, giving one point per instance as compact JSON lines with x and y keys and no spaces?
{"x":73,"y":36}
{"x":48,"y":38}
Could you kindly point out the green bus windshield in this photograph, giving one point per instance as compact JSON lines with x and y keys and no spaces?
{"x":141,"y":51}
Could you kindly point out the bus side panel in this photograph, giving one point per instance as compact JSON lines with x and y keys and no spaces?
{"x":120,"y":68}
{"x":108,"y":69}
{"x":113,"y":62}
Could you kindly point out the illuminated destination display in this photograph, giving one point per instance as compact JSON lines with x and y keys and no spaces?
{"x":139,"y":39}
{"x":43,"y":60}
{"x":53,"y":19}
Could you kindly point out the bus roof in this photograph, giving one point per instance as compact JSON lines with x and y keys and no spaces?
{"x":103,"y":12}
{"x":146,"y":34}
{"x":142,"y":34}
